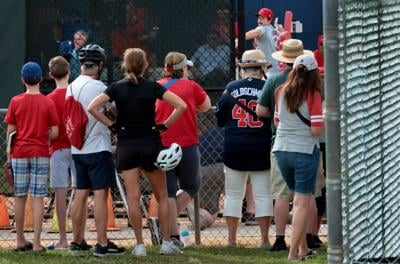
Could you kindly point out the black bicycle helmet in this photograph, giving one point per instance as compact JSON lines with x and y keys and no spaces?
{"x":92,"y":54}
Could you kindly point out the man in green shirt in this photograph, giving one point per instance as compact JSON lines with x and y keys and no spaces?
{"x":266,"y":108}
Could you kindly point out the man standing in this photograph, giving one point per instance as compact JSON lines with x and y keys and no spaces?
{"x":211,"y":61}
{"x":80,"y":40}
{"x":93,"y":162}
{"x":266,"y":37}
{"x":319,"y":53}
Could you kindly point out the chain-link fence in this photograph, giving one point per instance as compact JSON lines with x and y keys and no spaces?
{"x":369,"y":69}
{"x":203,"y":30}
{"x":211,"y":198}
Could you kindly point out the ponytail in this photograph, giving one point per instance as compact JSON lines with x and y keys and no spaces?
{"x":134,"y":64}
{"x":130,"y":76}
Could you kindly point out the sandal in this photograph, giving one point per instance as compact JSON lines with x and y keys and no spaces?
{"x":53,"y":246}
{"x":27,"y":247}
{"x":310,"y":254}
{"x":42,"y":250}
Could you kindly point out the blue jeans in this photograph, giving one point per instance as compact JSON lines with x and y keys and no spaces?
{"x":299,"y":170}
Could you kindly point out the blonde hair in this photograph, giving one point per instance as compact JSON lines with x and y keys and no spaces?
{"x":134,"y":64}
{"x":59,"y":67}
{"x":170,"y":60}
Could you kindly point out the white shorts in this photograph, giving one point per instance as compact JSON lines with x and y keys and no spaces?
{"x":235,"y":189}
{"x":61,"y":168}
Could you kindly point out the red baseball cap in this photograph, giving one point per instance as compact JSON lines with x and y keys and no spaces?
{"x":265,"y":12}
{"x":321,"y":39}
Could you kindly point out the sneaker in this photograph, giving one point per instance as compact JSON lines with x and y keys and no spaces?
{"x":310,"y":242}
{"x":279,"y":245}
{"x":139,"y":251}
{"x":317,"y":240}
{"x":250,"y":219}
{"x":190,"y":214}
{"x":169,"y":248}
{"x":266,"y":246}
{"x":109,"y":249}
{"x":83,"y":246}
{"x":177,"y":242}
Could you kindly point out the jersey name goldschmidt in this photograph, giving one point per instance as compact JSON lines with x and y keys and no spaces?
{"x":247,"y":140}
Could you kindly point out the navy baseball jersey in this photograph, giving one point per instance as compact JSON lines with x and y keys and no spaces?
{"x":247,"y":140}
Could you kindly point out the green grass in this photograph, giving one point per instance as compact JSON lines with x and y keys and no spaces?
{"x":190,"y":256}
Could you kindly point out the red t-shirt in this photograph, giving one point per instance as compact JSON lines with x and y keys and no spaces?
{"x":319,"y":58}
{"x":184,"y":130}
{"x":32,"y":115}
{"x":58,"y":97}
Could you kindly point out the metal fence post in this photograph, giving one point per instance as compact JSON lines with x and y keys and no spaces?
{"x":332,"y":127}
{"x":197,"y":235}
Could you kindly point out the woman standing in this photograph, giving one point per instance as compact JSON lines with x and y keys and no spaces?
{"x":299,"y":121}
{"x":139,"y":139}
{"x":183,"y":132}
{"x":247,"y":142}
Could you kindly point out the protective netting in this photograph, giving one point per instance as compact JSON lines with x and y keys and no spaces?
{"x":369,"y":71}
{"x":201,"y":29}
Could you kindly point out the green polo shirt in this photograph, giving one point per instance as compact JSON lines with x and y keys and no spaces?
{"x":267,"y":97}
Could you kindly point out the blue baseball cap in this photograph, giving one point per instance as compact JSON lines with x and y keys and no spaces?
{"x":31,"y":72}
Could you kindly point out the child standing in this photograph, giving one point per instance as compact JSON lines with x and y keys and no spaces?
{"x":31,"y":115}
{"x":60,"y":149}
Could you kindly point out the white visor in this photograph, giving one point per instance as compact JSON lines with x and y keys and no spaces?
{"x":183,"y":63}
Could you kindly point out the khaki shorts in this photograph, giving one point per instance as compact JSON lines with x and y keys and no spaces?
{"x":280,"y":190}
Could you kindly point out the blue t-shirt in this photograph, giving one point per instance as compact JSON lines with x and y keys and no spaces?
{"x":247,"y":140}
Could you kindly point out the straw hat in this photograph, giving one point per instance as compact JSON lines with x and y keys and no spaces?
{"x":253,"y":58}
{"x":292,"y":48}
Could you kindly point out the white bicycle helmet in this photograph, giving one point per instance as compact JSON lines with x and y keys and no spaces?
{"x":169,"y":158}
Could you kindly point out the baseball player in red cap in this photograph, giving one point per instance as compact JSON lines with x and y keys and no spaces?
{"x":319,"y":53}
{"x":266,"y":37}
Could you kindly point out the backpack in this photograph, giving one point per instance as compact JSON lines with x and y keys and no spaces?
{"x":75,"y":120}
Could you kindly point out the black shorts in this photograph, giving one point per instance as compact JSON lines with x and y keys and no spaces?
{"x":143,"y":156}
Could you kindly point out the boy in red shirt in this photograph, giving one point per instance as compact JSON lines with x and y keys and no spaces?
{"x":60,"y":149}
{"x":32,"y":116}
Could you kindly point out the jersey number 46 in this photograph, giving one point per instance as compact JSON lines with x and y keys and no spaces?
{"x":244,"y":118}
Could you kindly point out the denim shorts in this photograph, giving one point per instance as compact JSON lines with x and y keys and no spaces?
{"x":299,"y":170}
{"x":94,"y":171}
{"x":30,"y":174}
